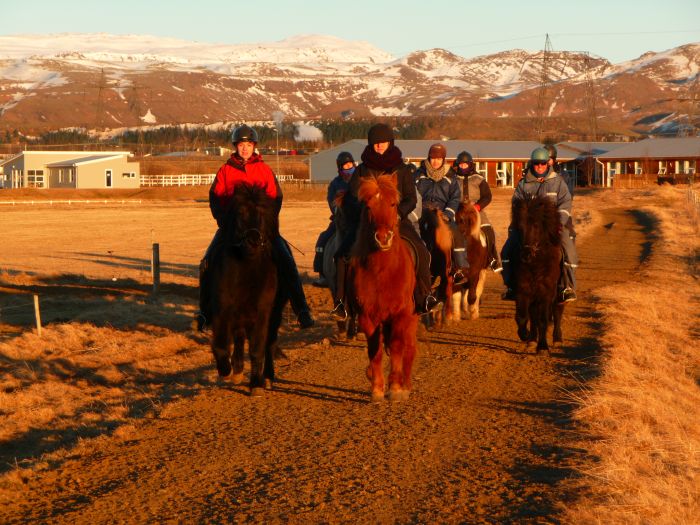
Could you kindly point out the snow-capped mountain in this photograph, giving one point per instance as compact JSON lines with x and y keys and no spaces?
{"x":114,"y":81}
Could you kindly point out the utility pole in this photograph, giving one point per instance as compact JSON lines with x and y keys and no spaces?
{"x":542,"y":96}
{"x":590,"y":97}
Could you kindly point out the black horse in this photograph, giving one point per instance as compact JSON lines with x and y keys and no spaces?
{"x":248,"y":302}
{"x":538,"y":262}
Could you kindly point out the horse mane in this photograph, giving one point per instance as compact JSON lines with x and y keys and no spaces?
{"x":383,"y":186}
{"x":537,"y":210}
{"x":251,"y":200}
{"x":469,"y":219}
{"x":436,"y":222}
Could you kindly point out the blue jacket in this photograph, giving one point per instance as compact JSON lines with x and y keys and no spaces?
{"x":335,"y":186}
{"x":446,"y":193}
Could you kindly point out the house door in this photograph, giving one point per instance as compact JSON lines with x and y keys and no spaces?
{"x":108,"y":178}
{"x":504,"y":174}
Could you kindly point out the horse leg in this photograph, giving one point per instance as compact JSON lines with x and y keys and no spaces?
{"x":273,"y":325}
{"x":220,"y":345}
{"x":474,"y":308}
{"x":521,"y":318}
{"x":375,"y":373}
{"x":558,"y":314}
{"x":407,"y":339}
{"x":542,"y":323}
{"x":455,"y":312}
{"x":238,"y":356}
{"x":257,"y":351}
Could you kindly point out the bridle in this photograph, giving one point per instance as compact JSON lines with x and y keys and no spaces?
{"x":253,"y":237}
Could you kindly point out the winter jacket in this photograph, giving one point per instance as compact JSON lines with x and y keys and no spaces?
{"x":336,"y":185}
{"x":444,"y":193}
{"x":476,"y":190}
{"x":254,"y":172}
{"x":553,"y":187}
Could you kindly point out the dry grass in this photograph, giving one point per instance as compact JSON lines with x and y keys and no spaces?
{"x":642,"y":412}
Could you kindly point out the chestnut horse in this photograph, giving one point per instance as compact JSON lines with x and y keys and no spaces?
{"x":248,"y":303}
{"x":466,"y":298}
{"x":538,"y":260}
{"x":382,"y":279}
{"x":437,"y":237}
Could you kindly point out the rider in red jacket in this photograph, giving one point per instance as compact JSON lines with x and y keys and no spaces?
{"x":247,"y":166}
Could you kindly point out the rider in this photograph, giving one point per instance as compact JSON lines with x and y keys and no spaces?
{"x":339,"y":185}
{"x":540,"y":179}
{"x":246,"y":166}
{"x":439,"y":188}
{"x":382,"y":157}
{"x":475,"y":189}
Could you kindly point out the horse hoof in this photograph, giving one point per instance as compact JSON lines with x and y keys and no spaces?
{"x":257,"y":391}
{"x":398,"y":395}
{"x":268,"y":384}
{"x":236,"y":379}
{"x":377,"y":396}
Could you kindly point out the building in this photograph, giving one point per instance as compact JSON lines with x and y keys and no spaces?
{"x":501,"y":162}
{"x":70,"y":169}
{"x":578,"y":160}
{"x":673,"y":160}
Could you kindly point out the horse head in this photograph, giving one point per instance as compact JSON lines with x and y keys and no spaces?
{"x":468,"y":220}
{"x":433,"y":227}
{"x":381,"y":198}
{"x":250,"y":222}
{"x":536,"y":219}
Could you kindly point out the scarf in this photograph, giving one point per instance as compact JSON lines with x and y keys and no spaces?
{"x":237,"y":161}
{"x":436,"y":174}
{"x":392,"y":159}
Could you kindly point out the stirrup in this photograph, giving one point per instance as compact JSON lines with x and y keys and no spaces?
{"x":459,"y":278}
{"x":339,"y":311}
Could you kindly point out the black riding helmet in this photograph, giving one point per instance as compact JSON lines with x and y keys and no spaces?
{"x":343,"y":158}
{"x":463,"y":156}
{"x":244,"y":133}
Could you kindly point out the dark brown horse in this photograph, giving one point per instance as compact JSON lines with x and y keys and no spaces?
{"x":466,"y":298}
{"x":537,"y":269}
{"x":381,"y":292}
{"x":437,"y":237}
{"x":248,"y":305}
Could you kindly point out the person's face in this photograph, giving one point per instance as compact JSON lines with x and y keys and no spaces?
{"x":463,"y":165}
{"x":436,"y":163}
{"x":381,"y":147}
{"x":550,"y":162}
{"x":347,"y":165}
{"x":245,"y":149}
{"x":539,"y":167}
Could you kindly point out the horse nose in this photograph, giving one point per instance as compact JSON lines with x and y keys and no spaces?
{"x":384,"y":239}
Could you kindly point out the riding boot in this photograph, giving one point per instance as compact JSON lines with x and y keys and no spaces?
{"x":422,"y":293}
{"x":509,"y":254}
{"x":461,"y":265}
{"x":289,"y":277}
{"x":494,"y":258}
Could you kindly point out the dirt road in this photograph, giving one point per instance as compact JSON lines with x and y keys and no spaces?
{"x":485,"y":437}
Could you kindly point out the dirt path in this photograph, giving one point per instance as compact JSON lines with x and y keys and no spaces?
{"x":484,"y":438}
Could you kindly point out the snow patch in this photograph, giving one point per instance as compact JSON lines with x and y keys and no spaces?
{"x":149,"y":118}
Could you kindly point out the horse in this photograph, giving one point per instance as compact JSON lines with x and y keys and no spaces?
{"x":438,"y":238}
{"x":248,"y":302}
{"x":466,"y":297}
{"x":538,"y":259}
{"x":348,"y":326}
{"x":382,"y":279}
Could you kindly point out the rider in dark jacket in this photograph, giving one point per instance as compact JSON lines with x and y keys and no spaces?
{"x":382,"y":157}
{"x":440,"y":188}
{"x":338,"y":186}
{"x":540,"y":179}
{"x":475,"y":189}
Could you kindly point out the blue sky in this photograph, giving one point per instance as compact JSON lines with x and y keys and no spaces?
{"x":614,"y":29}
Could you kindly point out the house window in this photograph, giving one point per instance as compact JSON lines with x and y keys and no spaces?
{"x":35,"y":178}
{"x":130,"y":175}
{"x":481,"y":168}
{"x":108,"y":178}
{"x":662,"y":167}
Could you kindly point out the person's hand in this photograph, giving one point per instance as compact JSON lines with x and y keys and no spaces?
{"x":477,"y":207}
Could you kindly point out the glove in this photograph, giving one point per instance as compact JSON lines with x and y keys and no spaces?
{"x":477,"y":207}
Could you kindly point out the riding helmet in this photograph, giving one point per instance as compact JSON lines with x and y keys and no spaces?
{"x":539,"y":154}
{"x":437,"y":151}
{"x":464,"y":156}
{"x":343,"y":158}
{"x":244,"y":133}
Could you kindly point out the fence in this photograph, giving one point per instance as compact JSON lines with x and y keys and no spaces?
{"x":51,"y":202}
{"x":186,"y":179}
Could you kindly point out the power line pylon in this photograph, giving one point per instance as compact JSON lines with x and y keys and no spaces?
{"x":544,"y":83}
{"x":590,"y":97}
